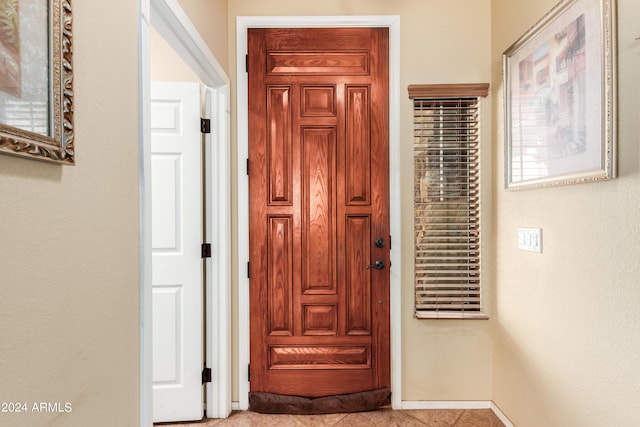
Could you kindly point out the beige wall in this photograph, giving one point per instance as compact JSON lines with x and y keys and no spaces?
{"x":210,"y":18}
{"x":69,"y":322}
{"x":165,"y":64}
{"x":567,"y":321}
{"x":442,"y":42}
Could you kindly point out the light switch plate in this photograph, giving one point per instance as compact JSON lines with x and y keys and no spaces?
{"x":530,"y":239}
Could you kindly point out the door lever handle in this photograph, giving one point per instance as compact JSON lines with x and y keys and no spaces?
{"x":379,"y":265}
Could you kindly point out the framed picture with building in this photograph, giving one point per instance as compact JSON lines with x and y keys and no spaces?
{"x":560,"y":98}
{"x":36,"y":80}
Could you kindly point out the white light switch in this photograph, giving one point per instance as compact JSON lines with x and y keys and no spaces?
{"x":530,"y":239}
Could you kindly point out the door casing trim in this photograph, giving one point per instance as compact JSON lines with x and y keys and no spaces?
{"x":170,"y":20}
{"x":393,"y":23}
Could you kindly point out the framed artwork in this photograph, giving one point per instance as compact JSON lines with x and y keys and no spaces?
{"x":36,"y":80}
{"x":560,"y":98}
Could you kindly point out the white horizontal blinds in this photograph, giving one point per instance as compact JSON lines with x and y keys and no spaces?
{"x":447,"y":206}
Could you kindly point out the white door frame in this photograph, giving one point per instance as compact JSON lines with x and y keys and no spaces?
{"x":242,"y":24}
{"x":170,"y":20}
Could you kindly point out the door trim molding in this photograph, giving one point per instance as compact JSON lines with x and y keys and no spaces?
{"x":144,"y":178}
{"x":218,"y":267}
{"x":170,"y":20}
{"x":242,"y":24}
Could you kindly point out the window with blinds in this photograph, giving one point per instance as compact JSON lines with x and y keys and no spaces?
{"x":447,"y":200}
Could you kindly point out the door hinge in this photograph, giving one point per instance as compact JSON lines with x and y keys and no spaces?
{"x":206,"y":375}
{"x":205,"y":125}
{"x":206,"y":250}
{"x":248,"y":270}
{"x":249,"y":372}
{"x":389,"y":241}
{"x":246,"y":63}
{"x":247,"y":166}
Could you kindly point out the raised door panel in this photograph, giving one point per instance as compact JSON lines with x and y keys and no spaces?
{"x":318,"y":63}
{"x":318,"y":210}
{"x":318,"y":101}
{"x":280,"y":275}
{"x":320,"y":357}
{"x":319,"y":319}
{"x":358,"y":278}
{"x":166,"y":211}
{"x":280,"y":161}
{"x":168,"y":363}
{"x":358,"y":146}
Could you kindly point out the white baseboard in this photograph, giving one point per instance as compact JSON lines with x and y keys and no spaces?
{"x":441,"y":404}
{"x":235,"y":406}
{"x":501,"y":416}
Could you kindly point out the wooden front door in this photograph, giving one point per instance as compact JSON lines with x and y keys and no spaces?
{"x":319,"y":210}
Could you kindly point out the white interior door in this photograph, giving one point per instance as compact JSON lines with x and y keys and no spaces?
{"x":177,"y":223}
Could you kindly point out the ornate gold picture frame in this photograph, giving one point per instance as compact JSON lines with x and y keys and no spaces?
{"x":560,"y":98}
{"x":36,"y":80}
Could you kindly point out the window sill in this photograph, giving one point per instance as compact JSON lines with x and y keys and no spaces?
{"x":462,"y":316}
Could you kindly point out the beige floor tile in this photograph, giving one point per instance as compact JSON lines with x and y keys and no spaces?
{"x":251,"y":419}
{"x":380,"y":418}
{"x":479,"y":418}
{"x":208,"y":423}
{"x":319,"y":420}
{"x":436,"y":417}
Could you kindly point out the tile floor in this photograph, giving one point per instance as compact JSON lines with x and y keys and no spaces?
{"x":379,"y":418}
